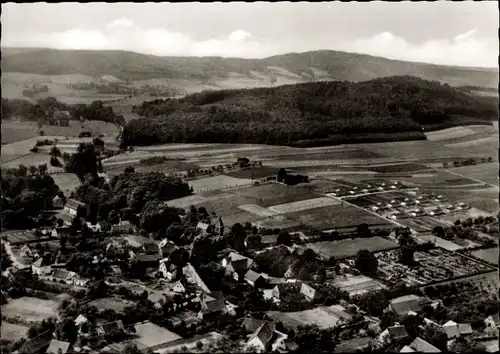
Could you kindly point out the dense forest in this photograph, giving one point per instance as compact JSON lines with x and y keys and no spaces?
{"x":310,"y":114}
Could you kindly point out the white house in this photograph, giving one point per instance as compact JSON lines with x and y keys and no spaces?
{"x":72,"y":207}
{"x":167,"y":269}
{"x":41,"y":267}
{"x":57,"y":202}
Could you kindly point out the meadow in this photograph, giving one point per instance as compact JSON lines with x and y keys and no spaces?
{"x":67,"y":182}
{"x":13,"y":332}
{"x":490,"y":255}
{"x":350,"y":247}
{"x":30,"y":309}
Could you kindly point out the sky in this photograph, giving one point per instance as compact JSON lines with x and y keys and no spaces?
{"x":443,"y":32}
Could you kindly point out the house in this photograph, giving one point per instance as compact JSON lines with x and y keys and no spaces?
{"x":60,"y":232}
{"x":269,"y":240}
{"x":217,"y":226}
{"x":168,"y":270}
{"x":80,"y":320}
{"x":147,"y":260}
{"x":393,"y":334}
{"x":73,"y":207}
{"x":309,"y":292}
{"x":58,"y":347}
{"x":421,"y":346}
{"x":58,"y":202}
{"x":42,"y":266}
{"x":123,"y":227}
{"x":150,"y":248}
{"x":231,"y":308}
{"x":279,"y":290}
{"x":176,"y":287}
{"x":465,"y":329}
{"x":192,"y":277}
{"x":166,"y":247}
{"x":265,"y":337}
{"x":451,"y":329}
{"x":210,"y":306}
{"x":110,"y":328}
{"x":404,"y":304}
{"x":492,"y":323}
{"x":94,"y":228}
{"x":26,"y":251}
{"x":61,"y":275}
{"x":158,"y":298}
{"x":237,"y":265}
{"x":36,"y":344}
{"x":255,"y":279}
{"x":406,"y":349}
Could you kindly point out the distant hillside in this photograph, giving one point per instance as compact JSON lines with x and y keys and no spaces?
{"x":296,"y":67}
{"x":310,"y":114}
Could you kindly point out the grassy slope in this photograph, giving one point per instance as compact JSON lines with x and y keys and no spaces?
{"x":333,"y":65}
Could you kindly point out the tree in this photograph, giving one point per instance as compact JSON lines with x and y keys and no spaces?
{"x":237,"y":236}
{"x":445,"y":164}
{"x":33,"y":170}
{"x":128,"y":170}
{"x":406,"y":255}
{"x":54,"y":151}
{"x":284,"y":238}
{"x":311,"y":339}
{"x":66,"y":330}
{"x":387,"y":319}
{"x":364,"y":230}
{"x":366,"y":262}
{"x":254,"y":241}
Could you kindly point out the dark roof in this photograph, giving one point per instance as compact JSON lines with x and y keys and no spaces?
{"x":150,"y":248}
{"x":240,"y":265}
{"x":264,"y":333}
{"x":397,"y":332}
{"x":112,"y":327}
{"x":74,"y":204}
{"x":404,"y":304}
{"x":55,"y":345}
{"x":60,"y":274}
{"x":496,"y":318}
{"x":148,"y":258}
{"x":252,"y":324}
{"x":252,"y":276}
{"x":36,"y":344}
{"x":42,"y":262}
{"x":214,"y":306}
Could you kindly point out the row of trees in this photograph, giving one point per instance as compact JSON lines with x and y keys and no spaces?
{"x":468,"y":162}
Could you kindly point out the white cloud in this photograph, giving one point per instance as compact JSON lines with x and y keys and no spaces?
{"x":466,"y":49}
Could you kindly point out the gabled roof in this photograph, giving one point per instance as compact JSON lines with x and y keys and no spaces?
{"x":61,"y":274}
{"x":407,"y":349}
{"x":240,"y":265}
{"x":495,"y":317}
{"x":214,"y":306}
{"x":74,"y":204}
{"x":404,"y":304}
{"x":421,"y":346}
{"x":265,"y":333}
{"x":80,"y":319}
{"x":252,"y":276}
{"x":252,"y":324}
{"x":269,"y":239}
{"x":451,"y":329}
{"x":41,"y":262}
{"x":36,"y":344}
{"x":150,"y":248}
{"x":147,"y":258}
{"x":397,"y":332}
{"x":56,"y":345}
{"x":112,"y":327}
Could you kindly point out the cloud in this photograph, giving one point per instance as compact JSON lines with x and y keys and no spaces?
{"x":466,"y":49}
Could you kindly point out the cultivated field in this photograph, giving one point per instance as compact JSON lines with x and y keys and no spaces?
{"x":449,"y":133}
{"x":350,"y":247}
{"x":15,"y":236}
{"x":486,"y":172}
{"x":254,"y":173}
{"x":304,"y":205}
{"x":490,"y":255}
{"x":219,"y":182}
{"x":277,"y":222}
{"x":432,"y":266}
{"x":31,"y":159}
{"x":67,"y":182}
{"x":267,"y":195}
{"x":357,"y":284}
{"x":13,"y":332}
{"x":446,"y":244}
{"x":399,"y":167}
{"x":336,"y":216}
{"x":150,"y":335}
{"x":323,"y":317}
{"x":30,"y":309}
{"x":258,"y":210}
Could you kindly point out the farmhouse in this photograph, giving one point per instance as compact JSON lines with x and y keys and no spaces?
{"x":42,"y":266}
{"x":492,"y":323}
{"x":58,"y":202}
{"x":393,"y":334}
{"x":168,"y":270}
{"x":167,"y":247}
{"x":237,"y":265}
{"x":158,"y":298}
{"x":404,"y":304}
{"x":73,"y":207}
{"x":176,"y":287}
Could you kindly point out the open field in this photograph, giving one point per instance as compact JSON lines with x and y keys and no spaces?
{"x":350,"y":247}
{"x":257,"y":210}
{"x":219,"y":182}
{"x":186,"y":202}
{"x":267,"y":195}
{"x":322,"y":316}
{"x":446,"y":244}
{"x":449,"y":133}
{"x":485,"y":282}
{"x":18,"y":236}
{"x":304,"y":205}
{"x":117,"y":305}
{"x":333,"y":154}
{"x":31,"y":159}
{"x":357,"y":284}
{"x":486,"y":172}
{"x":490,"y":255}
{"x":254,"y":173}
{"x":399,"y":167}
{"x":13,"y":332}
{"x":336,"y":216}
{"x":433,"y":266}
{"x":67,"y":182}
{"x":30,"y":308}
{"x":150,"y":335}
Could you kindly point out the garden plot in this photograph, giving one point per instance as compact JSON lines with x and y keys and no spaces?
{"x":322,"y":316}
{"x":218,"y":183}
{"x":304,"y":205}
{"x":490,"y":255}
{"x":277,"y":222}
{"x":336,"y":216}
{"x":111,"y":304}
{"x":433,"y":266}
{"x":150,"y":335}
{"x":441,"y":242}
{"x":257,"y":210}
{"x":350,"y":247}
{"x":13,"y":332}
{"x":357,"y":284}
{"x":30,"y":309}
{"x":67,"y":182}
{"x":449,"y":133}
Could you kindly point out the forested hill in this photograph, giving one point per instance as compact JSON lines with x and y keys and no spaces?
{"x":294,"y":67}
{"x":310,"y":114}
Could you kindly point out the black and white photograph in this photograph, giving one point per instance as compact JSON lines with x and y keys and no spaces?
{"x":261,"y":177}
